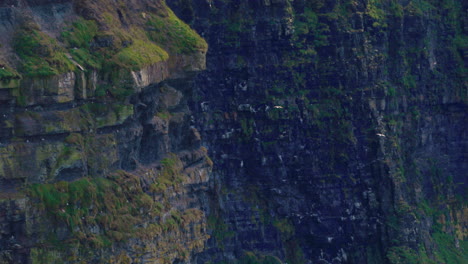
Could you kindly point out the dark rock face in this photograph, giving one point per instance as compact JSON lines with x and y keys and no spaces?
{"x":334,"y":127}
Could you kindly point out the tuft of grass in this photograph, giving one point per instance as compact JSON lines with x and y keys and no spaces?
{"x":80,"y":34}
{"x":446,"y":251}
{"x":85,"y":58}
{"x":170,"y":175}
{"x":173,"y":34}
{"x":309,"y":34}
{"x":78,"y":38}
{"x":96,"y":201}
{"x":379,"y":15}
{"x":7,"y":73}
{"x":40,"y":54}
{"x":141,"y":53}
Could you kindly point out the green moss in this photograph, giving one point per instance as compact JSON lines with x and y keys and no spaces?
{"x":309,"y":34}
{"x":40,"y":54}
{"x":51,"y":197}
{"x":96,"y":201}
{"x":141,"y":53}
{"x":443,"y":247}
{"x":391,"y":91}
{"x":173,"y":34}
{"x":85,"y":58}
{"x":80,"y":34}
{"x":40,"y":256}
{"x":375,"y":11}
{"x":402,"y":255}
{"x":67,"y":157}
{"x":169,"y":176}
{"x":8,"y":73}
{"x":446,"y":251}
{"x":396,"y":9}
{"x":118,"y":48}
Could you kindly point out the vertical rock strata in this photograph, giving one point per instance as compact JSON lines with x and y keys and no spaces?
{"x":337,"y":129}
{"x":98,"y":161}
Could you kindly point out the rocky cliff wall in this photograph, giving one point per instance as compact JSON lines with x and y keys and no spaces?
{"x":337,"y":129}
{"x":98,"y":161}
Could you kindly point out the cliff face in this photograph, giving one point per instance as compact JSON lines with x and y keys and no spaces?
{"x":98,"y":161}
{"x":336,"y":129}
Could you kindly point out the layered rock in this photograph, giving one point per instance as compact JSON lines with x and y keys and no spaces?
{"x":98,"y":161}
{"x":339,"y":137}
{"x":336,"y":130}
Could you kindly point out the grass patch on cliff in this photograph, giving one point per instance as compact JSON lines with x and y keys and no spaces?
{"x":309,"y":32}
{"x":78,"y":38}
{"x":139,"y":54}
{"x":7,"y":73}
{"x":446,"y":251}
{"x":80,"y":34}
{"x":129,"y":49}
{"x":170,"y":175}
{"x":40,"y":54}
{"x":444,"y":245}
{"x":115,"y":204}
{"x":402,"y":254}
{"x":173,"y":34}
{"x":85,"y":58}
{"x":100,"y":212}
